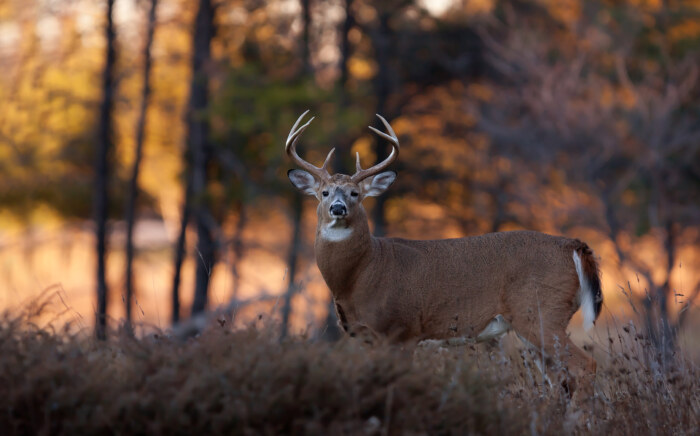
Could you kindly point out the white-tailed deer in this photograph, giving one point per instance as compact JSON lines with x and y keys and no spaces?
{"x":478,"y":287}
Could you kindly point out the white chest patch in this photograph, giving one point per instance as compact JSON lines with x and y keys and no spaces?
{"x":335,"y":234}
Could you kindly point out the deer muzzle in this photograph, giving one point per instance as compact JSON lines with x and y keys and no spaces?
{"x":338,"y":210}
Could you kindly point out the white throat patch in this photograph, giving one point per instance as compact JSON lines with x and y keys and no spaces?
{"x":333,"y":232}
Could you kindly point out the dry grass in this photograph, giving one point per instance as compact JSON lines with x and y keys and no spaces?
{"x":244,"y":381}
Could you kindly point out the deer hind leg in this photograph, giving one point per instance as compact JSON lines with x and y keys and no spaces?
{"x":556,"y":349}
{"x":582,"y":368}
{"x":539,"y":358}
{"x":541,"y":321}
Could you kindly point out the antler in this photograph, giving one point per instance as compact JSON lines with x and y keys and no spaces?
{"x":291,"y":149}
{"x":361,"y":174}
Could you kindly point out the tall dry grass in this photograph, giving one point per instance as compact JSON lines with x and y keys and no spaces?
{"x":245,"y":381}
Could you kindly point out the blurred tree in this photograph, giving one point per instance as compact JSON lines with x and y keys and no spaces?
{"x":297,"y":199}
{"x":136,"y":166}
{"x":198,"y":156}
{"x":384,"y":84}
{"x":102,"y":172}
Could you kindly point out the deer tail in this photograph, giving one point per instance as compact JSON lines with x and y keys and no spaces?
{"x":590,"y":294}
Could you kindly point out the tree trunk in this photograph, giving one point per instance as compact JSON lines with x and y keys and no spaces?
{"x":297,"y":201}
{"x":382,"y":42}
{"x":660,"y":331}
{"x":201,"y":151}
{"x":292,"y":260}
{"x":344,"y":141}
{"x":133,"y":181}
{"x":180,"y":254}
{"x":237,"y":248}
{"x":305,"y":47}
{"x":205,"y":262}
{"x":665,"y":334}
{"x":345,"y":45}
{"x":102,"y":172}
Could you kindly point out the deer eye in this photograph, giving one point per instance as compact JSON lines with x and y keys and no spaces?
{"x":325,"y":193}
{"x":354,"y":193}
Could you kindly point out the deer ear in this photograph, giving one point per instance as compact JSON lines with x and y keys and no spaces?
{"x":303,"y":181}
{"x":376,"y":185}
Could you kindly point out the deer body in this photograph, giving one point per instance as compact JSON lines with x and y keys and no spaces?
{"x":405,"y":290}
{"x":478,"y":287}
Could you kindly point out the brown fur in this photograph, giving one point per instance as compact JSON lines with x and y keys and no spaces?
{"x":407,"y":289}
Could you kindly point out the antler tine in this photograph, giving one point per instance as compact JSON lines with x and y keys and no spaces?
{"x":328,"y":159}
{"x":294,"y":133}
{"x":361,"y":174}
{"x":391,"y":138}
{"x":291,"y":149}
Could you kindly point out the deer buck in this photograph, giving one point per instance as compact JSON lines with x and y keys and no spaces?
{"x":475,"y":287}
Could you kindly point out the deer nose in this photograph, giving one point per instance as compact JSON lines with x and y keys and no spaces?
{"x":338,"y":209}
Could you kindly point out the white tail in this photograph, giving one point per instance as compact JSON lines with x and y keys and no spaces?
{"x":586,"y":295}
{"x":412,"y":290}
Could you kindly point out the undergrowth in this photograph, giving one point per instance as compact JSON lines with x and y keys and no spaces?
{"x":247,"y":381}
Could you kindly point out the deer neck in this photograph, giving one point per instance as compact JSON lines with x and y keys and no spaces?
{"x":343,"y":250}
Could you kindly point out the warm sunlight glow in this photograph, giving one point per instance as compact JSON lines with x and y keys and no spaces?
{"x":437,"y":7}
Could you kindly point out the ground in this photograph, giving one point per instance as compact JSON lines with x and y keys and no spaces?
{"x":247,"y":381}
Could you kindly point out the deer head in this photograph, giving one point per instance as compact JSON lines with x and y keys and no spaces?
{"x":340,"y":195}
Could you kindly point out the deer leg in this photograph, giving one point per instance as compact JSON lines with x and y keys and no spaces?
{"x":539,"y":357}
{"x":558,"y":348}
{"x":541,"y":323}
{"x":582,"y":367}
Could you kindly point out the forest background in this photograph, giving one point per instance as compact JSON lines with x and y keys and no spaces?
{"x":143,"y":175}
